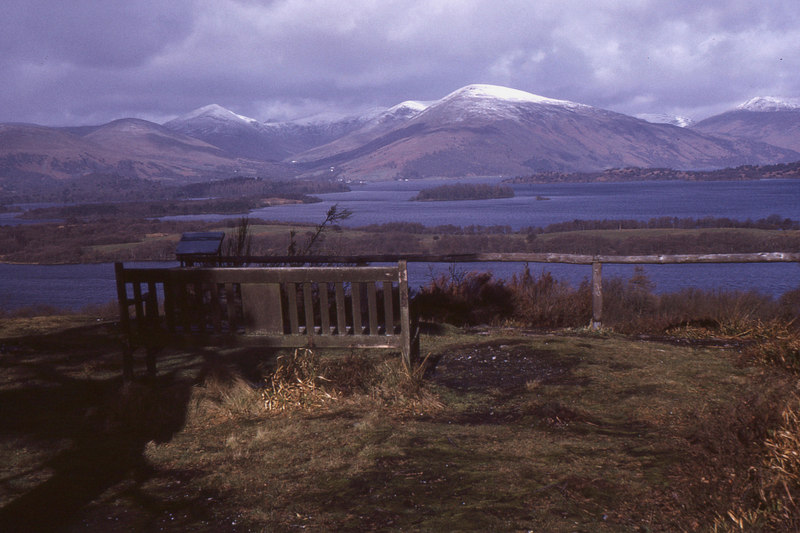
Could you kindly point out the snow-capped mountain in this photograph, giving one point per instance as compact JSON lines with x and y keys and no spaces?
{"x":213,"y":116}
{"x":247,"y":137}
{"x":769,"y":103}
{"x":475,"y":130}
{"x":376,"y":125}
{"x":236,"y":134}
{"x":765,"y":119}
{"x":482,"y":101}
{"x":490,"y":130}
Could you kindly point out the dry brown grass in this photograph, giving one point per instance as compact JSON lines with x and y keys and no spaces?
{"x":498,"y":430}
{"x":781,"y":492}
{"x":767,"y":500}
{"x":304,"y":381}
{"x":296,"y":383}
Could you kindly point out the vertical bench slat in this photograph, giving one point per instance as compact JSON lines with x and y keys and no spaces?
{"x":324,"y":309}
{"x":169,"y":305}
{"x":137,"y":303}
{"x":216,"y":311}
{"x":355,"y":290}
{"x":388,"y":308}
{"x":341,"y":310}
{"x":199,"y":309}
{"x":372,"y":308}
{"x":308,"y":306}
{"x":151,"y":304}
{"x":291,"y":293}
{"x":182,"y":301}
{"x":125,"y":321}
{"x":230,"y":301}
{"x":138,"y":306}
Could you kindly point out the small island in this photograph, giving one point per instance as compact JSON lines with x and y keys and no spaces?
{"x":463,"y":191}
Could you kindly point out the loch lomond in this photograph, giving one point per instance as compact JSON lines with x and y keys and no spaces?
{"x":534,"y":205}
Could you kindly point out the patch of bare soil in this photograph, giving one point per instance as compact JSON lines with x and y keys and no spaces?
{"x":499,"y":365}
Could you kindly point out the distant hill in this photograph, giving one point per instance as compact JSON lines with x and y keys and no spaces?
{"x":32,"y":156}
{"x":242,"y":136}
{"x":489,"y":130}
{"x":478,"y":130}
{"x":763,"y":119}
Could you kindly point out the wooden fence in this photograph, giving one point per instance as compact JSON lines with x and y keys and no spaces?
{"x":596,"y":261}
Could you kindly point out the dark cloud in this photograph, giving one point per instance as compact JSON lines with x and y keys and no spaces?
{"x":91,"y":34}
{"x":86,"y":62}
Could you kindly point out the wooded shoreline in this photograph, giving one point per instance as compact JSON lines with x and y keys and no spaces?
{"x":121,"y":239}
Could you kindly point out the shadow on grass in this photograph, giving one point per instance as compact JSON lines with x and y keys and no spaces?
{"x":62,"y":399}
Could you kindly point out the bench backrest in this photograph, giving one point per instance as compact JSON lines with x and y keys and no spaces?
{"x":322,"y":306}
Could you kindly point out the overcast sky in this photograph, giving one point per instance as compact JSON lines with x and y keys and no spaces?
{"x":91,"y":61}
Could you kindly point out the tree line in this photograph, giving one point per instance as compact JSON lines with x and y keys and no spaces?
{"x":108,"y":188}
{"x":743,"y":172}
{"x":126,"y":238}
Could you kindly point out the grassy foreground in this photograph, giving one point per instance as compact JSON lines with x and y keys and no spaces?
{"x":506,"y":431}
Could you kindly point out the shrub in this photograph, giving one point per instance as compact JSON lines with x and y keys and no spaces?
{"x":544,"y":301}
{"x":629,"y":306}
{"x":465,"y":299}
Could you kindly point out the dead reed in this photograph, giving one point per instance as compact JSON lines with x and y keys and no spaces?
{"x":296,"y":383}
{"x":304,"y":381}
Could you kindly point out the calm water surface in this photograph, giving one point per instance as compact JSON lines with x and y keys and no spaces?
{"x":75,"y":286}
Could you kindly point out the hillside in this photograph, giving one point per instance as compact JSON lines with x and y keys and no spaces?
{"x":768,"y":120}
{"x":478,"y":130}
{"x":487,"y":130}
{"x":31,"y":155}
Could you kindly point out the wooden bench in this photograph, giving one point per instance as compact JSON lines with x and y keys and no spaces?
{"x":281,"y":307}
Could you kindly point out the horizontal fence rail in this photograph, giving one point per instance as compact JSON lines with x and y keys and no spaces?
{"x":596,"y":261}
{"x":574,"y":259}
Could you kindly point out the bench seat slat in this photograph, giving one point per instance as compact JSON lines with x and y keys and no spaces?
{"x":294,"y":321}
{"x":324,"y":309}
{"x":308,"y":306}
{"x":388,"y":308}
{"x":355,"y":290}
{"x":372,"y":308}
{"x":341,"y":310}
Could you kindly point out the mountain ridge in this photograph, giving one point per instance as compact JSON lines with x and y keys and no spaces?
{"x":473,"y":132}
{"x":479,"y":129}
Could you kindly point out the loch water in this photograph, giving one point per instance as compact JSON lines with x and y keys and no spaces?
{"x":534,"y":205}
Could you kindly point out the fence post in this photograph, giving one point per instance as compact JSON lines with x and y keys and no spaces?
{"x":597,"y":295}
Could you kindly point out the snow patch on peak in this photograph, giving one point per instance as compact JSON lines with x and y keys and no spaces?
{"x":413,"y":106}
{"x":770,"y":103}
{"x":493,"y":102}
{"x":218,"y":112}
{"x":507,"y":94}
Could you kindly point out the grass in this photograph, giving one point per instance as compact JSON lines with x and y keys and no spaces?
{"x":501,"y":430}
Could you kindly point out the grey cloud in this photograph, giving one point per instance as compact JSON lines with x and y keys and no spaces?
{"x":92,"y":34}
{"x":100,"y":60}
